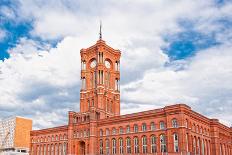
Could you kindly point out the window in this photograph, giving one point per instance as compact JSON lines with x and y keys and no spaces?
{"x":128,"y":129}
{"x":121,"y":130}
{"x":144,"y":127}
{"x":144,"y":144}
{"x":117,"y":85}
{"x":65,"y":148}
{"x":56,"y":149}
{"x":61,"y":149}
{"x":101,"y":146}
{"x":128,"y":145}
{"x":52,"y":149}
{"x":153,"y":144}
{"x":174,"y":123}
{"x":107,"y":146}
{"x":175,"y":140}
{"x":83,"y":84}
{"x":107,"y":132}
{"x":120,"y":146}
{"x":136,"y":145}
{"x":152,"y":126}
{"x":117,"y":66}
{"x":101,"y":132}
{"x":162,"y":126}
{"x":135,"y":128}
{"x":113,"y":131}
{"x":44,"y":150}
{"x":113,"y":146}
{"x":194,"y":146}
{"x":48,"y":149}
{"x":163,"y":143}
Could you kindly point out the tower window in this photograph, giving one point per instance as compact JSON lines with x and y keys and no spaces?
{"x":128,"y":145}
{"x":117,"y":66}
{"x":120,"y":145}
{"x":144,"y":144}
{"x":117,"y":85}
{"x":135,"y":128}
{"x":83,"y":86}
{"x":144,"y":127}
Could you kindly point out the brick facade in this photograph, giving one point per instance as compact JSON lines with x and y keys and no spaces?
{"x":100,"y":129}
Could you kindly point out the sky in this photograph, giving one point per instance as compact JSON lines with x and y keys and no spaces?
{"x":172,"y":52}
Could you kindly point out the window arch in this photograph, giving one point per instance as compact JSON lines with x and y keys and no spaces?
{"x":153,"y":144}
{"x":113,"y":146}
{"x":135,"y":128}
{"x":163,"y":143}
{"x":175,"y":142}
{"x":120,"y":146}
{"x":144,"y":127}
{"x":144,"y":144}
{"x":136,"y":145}
{"x":174,"y":123}
{"x":128,"y":145}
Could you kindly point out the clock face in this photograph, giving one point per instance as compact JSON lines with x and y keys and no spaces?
{"x":107,"y":64}
{"x":93,"y":63}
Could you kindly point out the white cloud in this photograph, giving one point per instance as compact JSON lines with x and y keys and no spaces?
{"x":205,"y":85}
{"x":2,"y":34}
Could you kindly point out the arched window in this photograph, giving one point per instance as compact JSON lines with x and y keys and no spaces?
{"x":144,"y":127}
{"x":52,"y":138}
{"x":163,"y":143}
{"x":152,"y":126}
{"x":65,"y":145}
{"x":120,"y":146}
{"x":107,"y":132}
{"x":144,"y":144}
{"x":135,"y":128}
{"x":101,"y":132}
{"x":52,"y":149}
{"x":48,"y":149}
{"x":44,"y":150}
{"x":107,"y":146}
{"x":128,"y":145}
{"x":121,"y":130}
{"x":174,"y":123}
{"x":56,"y":149}
{"x":136,"y":145}
{"x":113,"y":146}
{"x":153,"y":144}
{"x":175,"y":142}
{"x":162,"y":125}
{"x":60,"y":149}
{"x":101,"y":146}
{"x":194,"y":146}
{"x":113,"y":131}
{"x":127,"y":129}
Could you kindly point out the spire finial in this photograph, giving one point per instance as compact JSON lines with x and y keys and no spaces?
{"x":100,"y":33}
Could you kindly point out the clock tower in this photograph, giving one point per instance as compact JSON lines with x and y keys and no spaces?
{"x":100,"y":76}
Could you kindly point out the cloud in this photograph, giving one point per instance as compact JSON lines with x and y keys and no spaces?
{"x":204,"y":85}
{"x":2,"y":34}
{"x":42,"y":82}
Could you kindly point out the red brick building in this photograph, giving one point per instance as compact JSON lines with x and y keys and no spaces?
{"x":100,"y":129}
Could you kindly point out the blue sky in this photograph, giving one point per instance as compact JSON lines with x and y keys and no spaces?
{"x":40,"y":43}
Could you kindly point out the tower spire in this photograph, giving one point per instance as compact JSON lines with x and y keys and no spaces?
{"x":100,"y":33}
